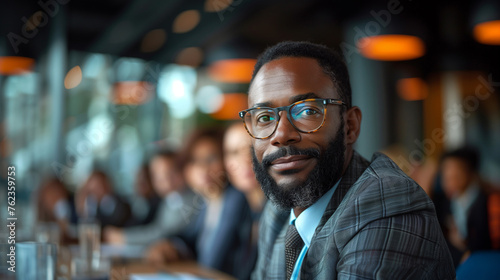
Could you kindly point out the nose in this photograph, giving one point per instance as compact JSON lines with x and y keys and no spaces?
{"x":285,"y":133}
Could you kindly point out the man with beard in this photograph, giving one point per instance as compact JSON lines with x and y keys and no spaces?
{"x":333,"y":213}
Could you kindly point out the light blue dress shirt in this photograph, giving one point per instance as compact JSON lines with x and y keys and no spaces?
{"x":306,"y":225}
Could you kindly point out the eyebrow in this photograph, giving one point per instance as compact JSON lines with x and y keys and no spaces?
{"x":292,"y":99}
{"x":300,"y":97}
{"x":263,"y":104}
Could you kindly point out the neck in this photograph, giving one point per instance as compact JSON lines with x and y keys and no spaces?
{"x":213,"y":196}
{"x":298,"y":210}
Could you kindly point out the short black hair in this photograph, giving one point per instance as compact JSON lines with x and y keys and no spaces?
{"x":467,"y":154}
{"x":329,"y":60}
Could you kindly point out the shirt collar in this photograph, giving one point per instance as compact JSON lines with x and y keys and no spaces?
{"x":308,"y":221}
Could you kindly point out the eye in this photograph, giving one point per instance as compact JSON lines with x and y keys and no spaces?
{"x":265,"y":118}
{"x":306,"y":112}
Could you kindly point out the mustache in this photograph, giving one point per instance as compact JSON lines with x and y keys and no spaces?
{"x":289,"y":151}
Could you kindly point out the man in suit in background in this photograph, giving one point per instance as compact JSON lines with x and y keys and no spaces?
{"x":333,"y":213}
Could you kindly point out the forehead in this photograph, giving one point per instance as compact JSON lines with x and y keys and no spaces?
{"x":278,"y":81}
{"x":204,"y":145}
{"x":454,"y":163}
{"x":161,"y":160}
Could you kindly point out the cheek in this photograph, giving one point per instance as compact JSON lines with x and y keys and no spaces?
{"x":218,"y":172}
{"x":259,"y":147}
{"x":237,"y":170}
{"x":454,"y":182}
{"x":231,"y":165}
{"x":157,"y":183}
{"x":188,"y":174}
{"x":167,"y":183}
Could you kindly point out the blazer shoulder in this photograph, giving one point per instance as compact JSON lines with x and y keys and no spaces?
{"x":273,"y":218}
{"x":383,"y":190}
{"x":386,"y":181}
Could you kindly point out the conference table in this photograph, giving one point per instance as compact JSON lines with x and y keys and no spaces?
{"x":140,"y":270}
{"x":127,"y":262}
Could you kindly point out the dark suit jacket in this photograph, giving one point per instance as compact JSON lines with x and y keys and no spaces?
{"x":477,"y":224}
{"x":228,"y":253}
{"x":379,"y":224}
{"x":118,"y":216}
{"x":478,"y":229}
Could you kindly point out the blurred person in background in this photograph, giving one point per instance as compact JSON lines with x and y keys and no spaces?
{"x":174,"y":212}
{"x":215,"y":238}
{"x":55,"y":204}
{"x":238,"y":162}
{"x":97,"y":200}
{"x":144,"y":204}
{"x":462,"y":206}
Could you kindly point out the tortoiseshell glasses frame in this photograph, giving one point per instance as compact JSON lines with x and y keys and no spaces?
{"x":306,"y":116}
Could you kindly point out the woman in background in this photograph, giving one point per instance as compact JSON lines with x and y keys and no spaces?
{"x":215,"y":237}
{"x":145,"y":202}
{"x":174,"y":212}
{"x":55,"y":205}
{"x":238,"y":163}
{"x":97,"y":200}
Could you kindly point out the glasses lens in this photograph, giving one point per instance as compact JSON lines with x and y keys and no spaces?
{"x":260,"y":122}
{"x":308,"y":116}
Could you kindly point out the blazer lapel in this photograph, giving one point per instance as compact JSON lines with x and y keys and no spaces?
{"x":356,"y":167}
{"x":315,"y":260}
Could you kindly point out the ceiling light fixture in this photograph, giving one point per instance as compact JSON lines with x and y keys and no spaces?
{"x":391,"y":47}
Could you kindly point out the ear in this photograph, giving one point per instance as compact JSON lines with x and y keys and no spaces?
{"x":353,"y":125}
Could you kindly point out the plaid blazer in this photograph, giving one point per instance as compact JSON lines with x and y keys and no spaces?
{"x":379,"y":224}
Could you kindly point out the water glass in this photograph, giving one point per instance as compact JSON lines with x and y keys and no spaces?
{"x":89,"y":234}
{"x":36,"y":261}
{"x":48,"y":233}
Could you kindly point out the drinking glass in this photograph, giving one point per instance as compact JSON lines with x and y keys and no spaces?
{"x":36,"y":261}
{"x":89,"y":233}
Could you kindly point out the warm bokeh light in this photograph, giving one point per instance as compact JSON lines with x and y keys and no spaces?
{"x":232,"y":70}
{"x":153,"y":40}
{"x":391,"y":47}
{"x":412,"y":89}
{"x":231,"y":105}
{"x":132,"y":92}
{"x":73,"y":78}
{"x":488,"y":32}
{"x":192,"y":56}
{"x":186,"y":21}
{"x":16,"y":65}
{"x":217,"y":5}
{"x":35,"y":20}
{"x":494,"y":212}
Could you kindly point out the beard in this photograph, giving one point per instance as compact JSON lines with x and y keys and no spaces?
{"x":320,"y":180}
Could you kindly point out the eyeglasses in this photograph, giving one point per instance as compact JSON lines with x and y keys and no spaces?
{"x":307,"y":116}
